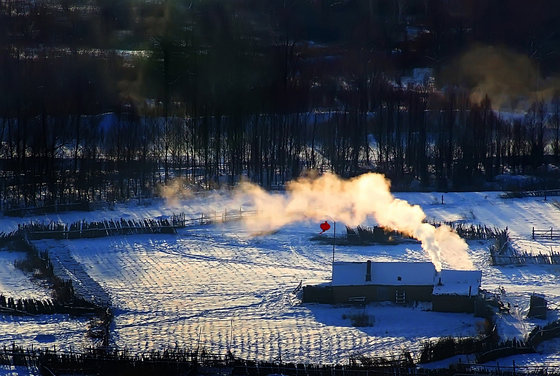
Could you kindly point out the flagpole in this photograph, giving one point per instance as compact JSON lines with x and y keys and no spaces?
{"x":334,"y":241}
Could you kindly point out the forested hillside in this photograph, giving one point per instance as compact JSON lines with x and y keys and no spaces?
{"x":105,"y":99}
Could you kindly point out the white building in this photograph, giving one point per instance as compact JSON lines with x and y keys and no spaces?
{"x":400,"y":282}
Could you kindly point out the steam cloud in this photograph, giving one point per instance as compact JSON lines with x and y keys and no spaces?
{"x":511,"y":80}
{"x":174,"y":191}
{"x":351,"y":202}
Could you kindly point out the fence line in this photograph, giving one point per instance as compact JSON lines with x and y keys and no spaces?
{"x":526,"y":258}
{"x":540,"y":193}
{"x":541,"y":334}
{"x":505,"y":254}
{"x":549,"y":234}
{"x":175,"y":362}
{"x":97,"y":229}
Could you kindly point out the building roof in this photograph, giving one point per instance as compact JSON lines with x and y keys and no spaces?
{"x":384,"y":273}
{"x":458,"y":282}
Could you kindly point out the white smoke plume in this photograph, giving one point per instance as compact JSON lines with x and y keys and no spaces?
{"x":351,"y":202}
{"x":512,"y":81}
{"x":174,"y":191}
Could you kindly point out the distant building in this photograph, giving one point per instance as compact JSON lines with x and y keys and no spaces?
{"x":399,"y":282}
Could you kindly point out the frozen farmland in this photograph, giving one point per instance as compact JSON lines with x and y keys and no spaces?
{"x":222,"y":288}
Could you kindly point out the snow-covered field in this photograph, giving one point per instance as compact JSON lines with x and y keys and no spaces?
{"x":221,"y":288}
{"x":14,"y":283}
{"x":217,"y":287}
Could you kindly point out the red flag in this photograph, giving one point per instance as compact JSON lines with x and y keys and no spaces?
{"x":324,"y":226}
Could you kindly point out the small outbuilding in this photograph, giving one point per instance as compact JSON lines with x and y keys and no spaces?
{"x":456,"y":290}
{"x":537,"y":307}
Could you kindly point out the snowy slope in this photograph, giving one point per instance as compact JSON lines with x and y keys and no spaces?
{"x":219,"y":288}
{"x":14,"y":283}
{"x":222,"y":288}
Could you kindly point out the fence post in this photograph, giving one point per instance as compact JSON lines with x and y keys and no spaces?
{"x":533,"y":233}
{"x":551,"y":233}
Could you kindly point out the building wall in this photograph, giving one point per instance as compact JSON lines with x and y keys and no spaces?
{"x":377,"y":293}
{"x":374,"y":293}
{"x":317,"y":294}
{"x":453,"y":303}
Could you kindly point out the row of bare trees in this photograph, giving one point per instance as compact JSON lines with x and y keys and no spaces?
{"x":438,"y":139}
{"x":107,"y":100}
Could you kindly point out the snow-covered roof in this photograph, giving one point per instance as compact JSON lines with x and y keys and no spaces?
{"x":383,"y":273}
{"x":457,"y":282}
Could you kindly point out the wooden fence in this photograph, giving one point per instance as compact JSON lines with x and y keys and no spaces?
{"x":97,"y":229}
{"x":104,"y":228}
{"x":525,"y":258}
{"x":539,"y":193}
{"x":546,"y":234}
{"x":503,"y":253}
{"x":101,"y":361}
{"x":541,"y":334}
{"x":180,"y":362}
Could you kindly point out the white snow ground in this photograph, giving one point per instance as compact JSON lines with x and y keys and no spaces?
{"x":218,"y":287}
{"x":14,"y":283}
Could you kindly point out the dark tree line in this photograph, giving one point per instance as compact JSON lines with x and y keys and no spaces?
{"x":106,"y":100}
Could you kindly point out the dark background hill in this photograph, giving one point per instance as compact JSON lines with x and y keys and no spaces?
{"x":108,"y":99}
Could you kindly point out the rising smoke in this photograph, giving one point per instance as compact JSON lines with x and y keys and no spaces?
{"x":351,"y":202}
{"x":175,"y":190}
{"x":511,"y":80}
